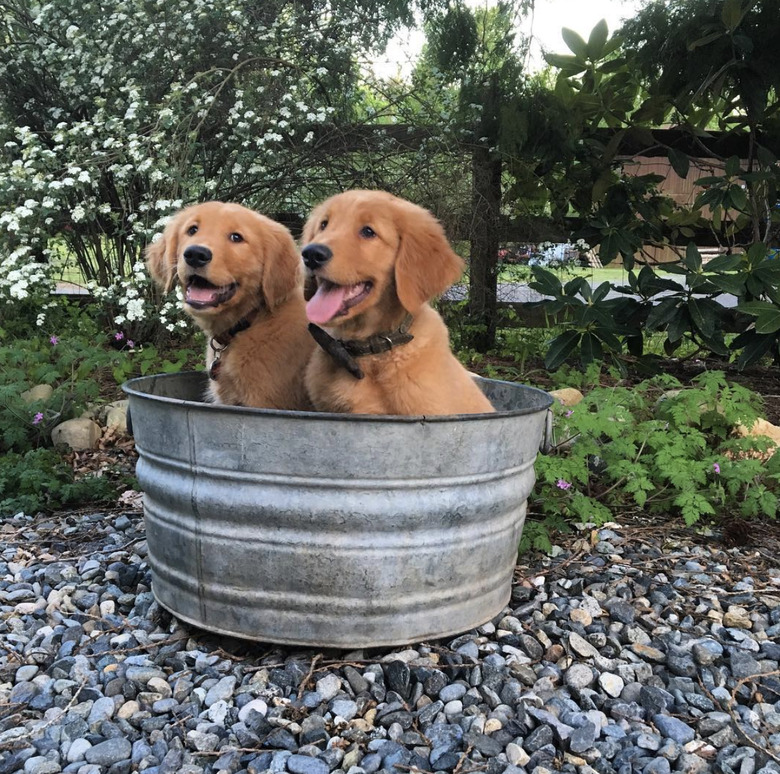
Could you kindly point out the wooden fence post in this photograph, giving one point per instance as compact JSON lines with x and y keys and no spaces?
{"x":485,"y":224}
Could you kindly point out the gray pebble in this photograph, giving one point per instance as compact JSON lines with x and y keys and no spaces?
{"x":452,"y":692}
{"x":328,"y":686}
{"x":222,"y":690}
{"x":303,"y":764}
{"x":674,"y":728}
{"x":109,"y":752}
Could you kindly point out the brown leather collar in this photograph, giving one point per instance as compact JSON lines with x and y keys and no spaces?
{"x":344,"y":351}
{"x":219,"y":343}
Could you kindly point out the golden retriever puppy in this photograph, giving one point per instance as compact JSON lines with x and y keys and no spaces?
{"x":375,"y":261}
{"x":241,"y":279}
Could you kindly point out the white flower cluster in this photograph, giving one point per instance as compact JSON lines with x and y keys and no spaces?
{"x":20,"y":276}
{"x":150,"y":112}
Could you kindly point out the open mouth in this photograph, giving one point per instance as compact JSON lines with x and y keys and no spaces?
{"x":332,"y":301}
{"x":202,"y":294}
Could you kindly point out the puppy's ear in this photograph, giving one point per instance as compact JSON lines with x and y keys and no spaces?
{"x":312,"y":225}
{"x":426,"y":264}
{"x":282,"y":266}
{"x":161,"y":256}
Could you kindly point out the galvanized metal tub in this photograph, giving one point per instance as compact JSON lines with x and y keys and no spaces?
{"x":332,"y":530}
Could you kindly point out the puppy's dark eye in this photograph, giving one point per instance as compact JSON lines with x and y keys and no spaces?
{"x":323,"y":225}
{"x":367,"y":232}
{"x":236,"y":237}
{"x":192,"y":230}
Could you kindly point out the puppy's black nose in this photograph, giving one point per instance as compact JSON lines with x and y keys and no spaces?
{"x":197,"y":256}
{"x":316,"y":255}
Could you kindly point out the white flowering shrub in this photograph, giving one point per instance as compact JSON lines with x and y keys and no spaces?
{"x":115,"y":113}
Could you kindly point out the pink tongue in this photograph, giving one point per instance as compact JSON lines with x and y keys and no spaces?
{"x":202,"y":295}
{"x":325,"y":304}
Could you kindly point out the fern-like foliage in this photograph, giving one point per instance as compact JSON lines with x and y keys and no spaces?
{"x":661,"y":448}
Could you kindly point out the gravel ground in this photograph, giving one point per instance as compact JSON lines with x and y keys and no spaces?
{"x":627,"y":652}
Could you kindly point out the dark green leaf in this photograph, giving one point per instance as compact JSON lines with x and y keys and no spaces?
{"x":610,"y":339}
{"x":738,"y":198}
{"x":597,"y":40}
{"x":632,"y":281}
{"x":670,"y":347}
{"x":712,"y":196}
{"x":590,"y":349}
{"x":662,"y":314}
{"x":728,"y":284}
{"x":692,"y":258}
{"x":754,"y":347}
{"x":560,"y":348}
{"x":754,"y":286}
{"x":756,"y":253}
{"x":732,"y":166}
{"x":769,"y":321}
{"x":716,"y":344}
{"x":765,"y":156}
{"x":612,"y":65}
{"x":577,"y":285}
{"x":679,"y":325}
{"x":700,"y":284}
{"x":679,"y":161}
{"x":724,"y":263}
{"x":569,"y":63}
{"x":704,"y":40}
{"x":635,"y":345}
{"x":755,"y":307}
{"x":575,"y":42}
{"x":545,"y":282}
{"x":702,"y":317}
{"x":608,"y":249}
{"x":768,"y":273}
{"x":554,"y":308}
{"x":600,"y":293}
{"x":731,"y":14}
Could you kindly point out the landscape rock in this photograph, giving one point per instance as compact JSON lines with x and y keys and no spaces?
{"x":567,"y":396}
{"x":79,"y":434}
{"x":656,"y":656}
{"x":40,"y":392}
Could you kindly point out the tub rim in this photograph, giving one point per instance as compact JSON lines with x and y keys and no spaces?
{"x":131,"y":388}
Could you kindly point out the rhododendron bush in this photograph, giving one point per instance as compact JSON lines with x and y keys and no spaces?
{"x":115,"y":113}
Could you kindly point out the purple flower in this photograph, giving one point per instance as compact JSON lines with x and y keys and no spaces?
{"x":119,"y":335}
{"x":716,"y":467}
{"x":54,"y":340}
{"x":563,"y":484}
{"x":38,"y":418}
{"x":130,"y":343}
{"x":569,"y":413}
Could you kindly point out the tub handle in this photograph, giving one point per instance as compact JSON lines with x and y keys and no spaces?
{"x":546,"y":443}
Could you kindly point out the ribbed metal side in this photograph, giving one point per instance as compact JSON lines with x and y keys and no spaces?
{"x":332,"y":530}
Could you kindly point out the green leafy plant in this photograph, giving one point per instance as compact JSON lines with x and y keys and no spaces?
{"x":593,"y":325}
{"x":83,"y":370}
{"x":80,"y":368}
{"x":660,"y":448}
{"x":40,"y":479}
{"x":715,"y":83}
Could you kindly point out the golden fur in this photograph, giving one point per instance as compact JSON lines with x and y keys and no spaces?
{"x":255,"y":259}
{"x":401,"y":249}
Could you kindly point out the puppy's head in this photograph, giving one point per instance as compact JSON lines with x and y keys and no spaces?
{"x":369,"y":251}
{"x":227,"y":259}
